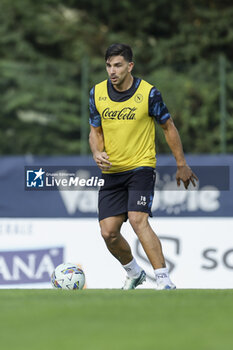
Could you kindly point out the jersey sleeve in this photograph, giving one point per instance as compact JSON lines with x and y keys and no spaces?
{"x":95,"y":119}
{"x":157,"y":107}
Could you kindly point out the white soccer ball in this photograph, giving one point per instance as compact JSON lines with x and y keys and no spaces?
{"x":68,"y":276}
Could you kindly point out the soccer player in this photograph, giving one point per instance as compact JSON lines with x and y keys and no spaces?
{"x":122,"y":139}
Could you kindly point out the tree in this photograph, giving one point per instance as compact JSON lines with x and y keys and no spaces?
{"x":43,"y":46}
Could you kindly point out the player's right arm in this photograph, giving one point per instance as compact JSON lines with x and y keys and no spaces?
{"x":96,"y":137}
{"x":96,"y":141}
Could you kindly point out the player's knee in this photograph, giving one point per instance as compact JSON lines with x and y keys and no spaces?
{"x":138,"y":220}
{"x":110,"y":236}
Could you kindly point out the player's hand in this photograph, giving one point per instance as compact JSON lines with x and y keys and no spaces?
{"x":186,"y":175}
{"x":101,"y":159}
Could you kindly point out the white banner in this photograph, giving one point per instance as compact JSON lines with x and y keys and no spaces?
{"x":198,"y":251}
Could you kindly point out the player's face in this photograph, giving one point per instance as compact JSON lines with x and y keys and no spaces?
{"x":118,"y":69}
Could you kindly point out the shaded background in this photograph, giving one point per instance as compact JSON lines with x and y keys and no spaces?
{"x":52,"y":53}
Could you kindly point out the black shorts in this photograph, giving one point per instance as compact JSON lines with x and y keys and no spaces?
{"x":128,"y":191}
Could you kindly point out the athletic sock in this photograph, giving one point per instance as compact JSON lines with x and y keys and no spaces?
{"x":162,"y":276}
{"x":133,"y":269}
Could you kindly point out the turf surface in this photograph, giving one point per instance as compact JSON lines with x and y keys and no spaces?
{"x":116,"y":320}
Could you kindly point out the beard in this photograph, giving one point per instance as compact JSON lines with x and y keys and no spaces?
{"x":116,"y":81}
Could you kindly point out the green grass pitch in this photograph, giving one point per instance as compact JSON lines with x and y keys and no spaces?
{"x":116,"y":320}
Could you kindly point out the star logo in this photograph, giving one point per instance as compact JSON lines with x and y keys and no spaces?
{"x":35,"y":178}
{"x":39,"y":174}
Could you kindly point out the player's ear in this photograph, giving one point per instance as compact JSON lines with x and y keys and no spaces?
{"x":130,"y":67}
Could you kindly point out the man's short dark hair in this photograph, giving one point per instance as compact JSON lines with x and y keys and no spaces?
{"x":119,"y":50}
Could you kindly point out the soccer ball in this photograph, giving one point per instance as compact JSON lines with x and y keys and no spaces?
{"x":68,"y":276}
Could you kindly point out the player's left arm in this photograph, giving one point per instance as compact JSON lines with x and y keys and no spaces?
{"x":184,"y":172}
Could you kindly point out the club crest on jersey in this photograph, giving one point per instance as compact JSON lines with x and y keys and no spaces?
{"x":138,"y":98}
{"x":126,"y":113}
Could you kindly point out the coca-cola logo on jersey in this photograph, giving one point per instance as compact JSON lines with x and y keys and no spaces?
{"x":126,"y":113}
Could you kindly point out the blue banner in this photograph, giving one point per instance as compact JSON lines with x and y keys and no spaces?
{"x":66,"y":187}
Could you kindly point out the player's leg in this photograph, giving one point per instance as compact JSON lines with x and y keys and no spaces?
{"x":115,"y":242}
{"x":120,"y":249}
{"x":147,"y":237}
{"x":141,"y":192}
{"x":152,"y":248}
{"x":112,"y":204}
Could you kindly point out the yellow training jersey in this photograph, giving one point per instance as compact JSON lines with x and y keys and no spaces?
{"x":129,"y":131}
